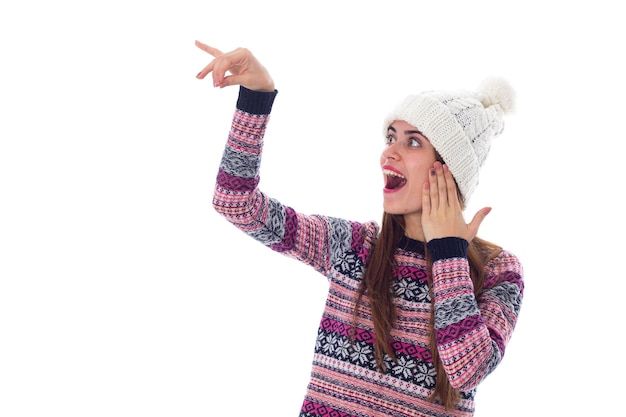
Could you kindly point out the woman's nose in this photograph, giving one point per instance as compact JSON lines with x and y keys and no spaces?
{"x":391,"y":151}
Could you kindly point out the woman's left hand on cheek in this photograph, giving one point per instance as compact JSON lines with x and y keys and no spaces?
{"x":441,"y":210}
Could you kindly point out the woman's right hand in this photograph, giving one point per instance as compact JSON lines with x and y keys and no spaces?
{"x":244,"y":69}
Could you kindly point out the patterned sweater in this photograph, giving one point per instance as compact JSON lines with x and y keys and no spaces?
{"x":471,"y":334}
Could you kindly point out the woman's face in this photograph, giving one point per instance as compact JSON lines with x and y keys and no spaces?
{"x":405,"y":161}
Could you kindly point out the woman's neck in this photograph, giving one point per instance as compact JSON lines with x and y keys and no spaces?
{"x":413,"y":226}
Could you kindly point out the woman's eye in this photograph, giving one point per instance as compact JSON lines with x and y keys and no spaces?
{"x":414,"y":142}
{"x":389,"y":139}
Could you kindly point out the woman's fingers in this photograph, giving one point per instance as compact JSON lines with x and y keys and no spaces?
{"x":453,"y":197}
{"x":240,"y":63}
{"x":434,"y":189}
{"x":209,"y":49}
{"x":442,"y":215}
{"x":218,"y":67}
{"x":206,"y":70}
{"x":442,"y":188}
{"x":476,"y":222}
{"x":426,"y":199}
{"x":243,"y":68}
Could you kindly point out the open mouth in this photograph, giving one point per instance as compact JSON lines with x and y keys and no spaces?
{"x":393,"y":180}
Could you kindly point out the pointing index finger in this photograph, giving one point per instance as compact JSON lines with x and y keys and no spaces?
{"x":212,"y":51}
{"x":209,"y":49}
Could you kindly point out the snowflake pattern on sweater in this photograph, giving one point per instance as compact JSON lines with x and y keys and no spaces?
{"x":471,"y":334}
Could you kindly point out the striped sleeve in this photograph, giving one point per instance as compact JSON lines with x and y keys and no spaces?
{"x":472,"y":334}
{"x":314,"y":240}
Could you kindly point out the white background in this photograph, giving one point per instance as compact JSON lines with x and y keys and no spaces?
{"x":122,"y":293}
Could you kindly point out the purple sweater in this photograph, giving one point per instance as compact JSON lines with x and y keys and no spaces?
{"x":471,"y":332}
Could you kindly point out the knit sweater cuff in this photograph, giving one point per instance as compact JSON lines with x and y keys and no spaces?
{"x":447,"y":247}
{"x":255,"y":102}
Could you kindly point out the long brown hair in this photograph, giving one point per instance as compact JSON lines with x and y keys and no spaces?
{"x":378,"y":282}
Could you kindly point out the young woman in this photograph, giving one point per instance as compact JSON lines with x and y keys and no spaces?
{"x":419,"y":310}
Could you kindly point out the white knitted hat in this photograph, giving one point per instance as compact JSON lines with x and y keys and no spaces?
{"x":460,"y":125}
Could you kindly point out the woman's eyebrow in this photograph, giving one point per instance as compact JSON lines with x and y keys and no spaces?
{"x":412,"y":132}
{"x":406,"y":132}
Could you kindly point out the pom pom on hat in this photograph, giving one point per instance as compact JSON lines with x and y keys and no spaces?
{"x":460,"y":125}
{"x":498,"y":91}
